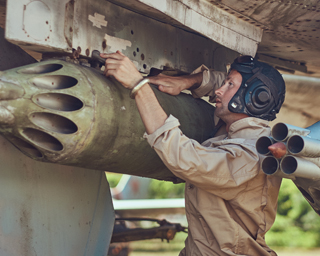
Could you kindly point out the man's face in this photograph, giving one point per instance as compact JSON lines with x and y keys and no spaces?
{"x":225,"y":93}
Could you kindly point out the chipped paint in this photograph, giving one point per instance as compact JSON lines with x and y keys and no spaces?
{"x":98,"y":20}
{"x":68,"y":22}
{"x":10,"y":91}
{"x":290,"y":28}
{"x":136,"y":63}
{"x":92,"y":123}
{"x":6,"y":116}
{"x":212,"y":22}
{"x":37,"y":26}
{"x":115,"y":43}
{"x":11,"y":109}
{"x":77,"y":30}
{"x":43,"y":200}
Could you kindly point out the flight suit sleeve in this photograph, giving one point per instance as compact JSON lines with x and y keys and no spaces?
{"x":222,"y":169}
{"x":211,"y":81}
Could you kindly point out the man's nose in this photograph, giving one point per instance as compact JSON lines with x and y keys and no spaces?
{"x":218,"y":91}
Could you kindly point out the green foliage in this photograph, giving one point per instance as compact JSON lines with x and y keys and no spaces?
{"x":296,"y":225}
{"x":164,"y":189}
{"x":113,"y":179}
{"x":156,"y":245}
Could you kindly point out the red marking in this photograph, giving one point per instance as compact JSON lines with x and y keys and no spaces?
{"x":278,"y":149}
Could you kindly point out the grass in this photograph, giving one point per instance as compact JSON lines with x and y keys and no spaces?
{"x":156,"y":248}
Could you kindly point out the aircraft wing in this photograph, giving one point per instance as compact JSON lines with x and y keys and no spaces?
{"x":283,"y":33}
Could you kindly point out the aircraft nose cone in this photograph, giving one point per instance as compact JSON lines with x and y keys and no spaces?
{"x":10,"y":91}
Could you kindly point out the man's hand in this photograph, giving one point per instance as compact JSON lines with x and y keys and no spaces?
{"x":168,"y":84}
{"x":121,"y":68}
{"x":175,"y":84}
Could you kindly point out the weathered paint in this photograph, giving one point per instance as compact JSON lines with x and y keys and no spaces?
{"x":98,"y":20}
{"x":74,"y":115}
{"x":52,"y":210}
{"x":212,"y":22}
{"x":6,"y":117}
{"x":148,"y":42}
{"x":115,"y":43}
{"x":37,"y":26}
{"x":287,"y":30}
{"x":68,"y":22}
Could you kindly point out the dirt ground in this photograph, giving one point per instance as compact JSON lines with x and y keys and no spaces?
{"x":282,"y":252}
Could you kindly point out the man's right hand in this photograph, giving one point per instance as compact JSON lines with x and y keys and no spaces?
{"x":121,"y":68}
{"x":175,"y":84}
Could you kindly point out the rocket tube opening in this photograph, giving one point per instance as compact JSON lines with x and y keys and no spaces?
{"x":295,"y":144}
{"x":58,"y":101}
{"x":306,"y":194}
{"x":289,"y":165}
{"x":262,"y":145}
{"x":42,"y":139}
{"x":54,"y":82}
{"x":53,"y":122}
{"x":25,"y":147}
{"x":41,"y":69}
{"x":270,"y":165}
{"x":280,"y":132}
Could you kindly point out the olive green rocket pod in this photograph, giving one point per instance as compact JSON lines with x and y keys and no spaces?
{"x":59,"y":112}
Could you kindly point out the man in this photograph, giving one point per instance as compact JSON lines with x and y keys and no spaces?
{"x":230,"y":203}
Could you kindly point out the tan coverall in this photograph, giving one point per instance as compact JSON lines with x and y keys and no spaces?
{"x":230,"y":202}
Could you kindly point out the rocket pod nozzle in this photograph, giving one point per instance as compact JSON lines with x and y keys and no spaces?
{"x":64,"y":113}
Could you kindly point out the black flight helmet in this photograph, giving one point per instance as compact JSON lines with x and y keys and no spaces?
{"x":262,"y":90}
